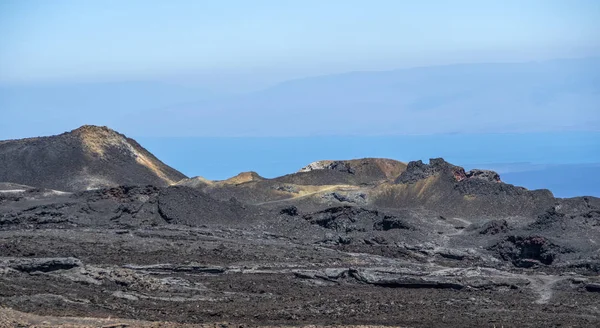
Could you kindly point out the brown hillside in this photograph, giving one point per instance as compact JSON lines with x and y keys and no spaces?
{"x":86,"y":158}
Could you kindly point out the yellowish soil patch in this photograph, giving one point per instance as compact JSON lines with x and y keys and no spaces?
{"x":145,"y":161}
{"x":391,"y":168}
{"x":304,"y":191}
{"x":97,"y":140}
{"x":243,"y":178}
{"x":200,"y":180}
{"x":469,"y":197}
{"x":419,"y":189}
{"x":310,"y":190}
{"x":424,"y":185}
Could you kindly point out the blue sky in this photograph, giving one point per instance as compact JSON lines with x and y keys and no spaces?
{"x":90,"y":40}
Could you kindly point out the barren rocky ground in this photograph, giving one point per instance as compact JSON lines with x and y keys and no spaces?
{"x":378,"y":243}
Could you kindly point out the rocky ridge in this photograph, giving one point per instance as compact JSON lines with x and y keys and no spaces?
{"x":368,"y":241}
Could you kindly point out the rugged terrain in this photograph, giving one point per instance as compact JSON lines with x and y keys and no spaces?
{"x":356,"y":242}
{"x":86,"y":158}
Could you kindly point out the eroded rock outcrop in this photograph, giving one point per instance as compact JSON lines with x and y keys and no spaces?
{"x":341,"y":166}
{"x":348,"y":219}
{"x":486,"y":175}
{"x":30,"y":265}
{"x":417,"y":170}
{"x":527,"y":251}
{"x":355,"y":171}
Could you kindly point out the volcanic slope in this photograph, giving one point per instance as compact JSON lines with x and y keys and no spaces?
{"x":369,"y":241}
{"x":439,"y":186}
{"x":86,"y":158}
{"x":451,"y":191}
{"x":318,"y":179}
{"x":176,"y":254}
{"x":363,"y":171}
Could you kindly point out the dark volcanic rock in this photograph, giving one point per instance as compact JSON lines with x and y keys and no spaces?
{"x":593,"y":288}
{"x":449,"y":190}
{"x":494,"y":227}
{"x":438,"y":244}
{"x":557,"y":219}
{"x":40,"y":264}
{"x":391,"y":223}
{"x":482,"y":187}
{"x":548,"y":219}
{"x":526,"y":251}
{"x":486,"y":175}
{"x":340,"y":166}
{"x":395,"y":281}
{"x":286,"y":188}
{"x":417,"y":170}
{"x":359,"y":198}
{"x":184,"y":205}
{"x":289,"y":210}
{"x":344,"y":219}
{"x":348,"y":219}
{"x":592,"y":217}
{"x":86,"y":158}
{"x":362,"y":171}
{"x":124,"y":194}
{"x":317,"y":177}
{"x":127,"y":206}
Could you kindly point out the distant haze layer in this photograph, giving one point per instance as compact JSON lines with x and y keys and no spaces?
{"x":559,"y":95}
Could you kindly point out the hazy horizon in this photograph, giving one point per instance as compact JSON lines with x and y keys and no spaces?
{"x":234,"y":41}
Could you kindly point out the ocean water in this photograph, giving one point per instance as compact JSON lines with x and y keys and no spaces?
{"x":567,"y":163}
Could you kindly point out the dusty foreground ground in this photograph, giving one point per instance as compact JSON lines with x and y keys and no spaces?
{"x":12,"y":318}
{"x":177,"y":256}
{"x":200,"y":277}
{"x":86,"y":242}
